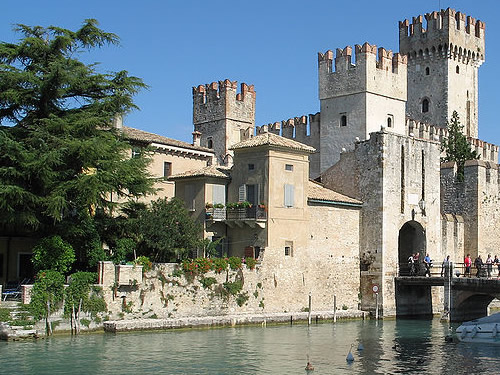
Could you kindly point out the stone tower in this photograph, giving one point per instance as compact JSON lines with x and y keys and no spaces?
{"x":357,"y":99}
{"x":443,"y":62}
{"x":223,"y":117}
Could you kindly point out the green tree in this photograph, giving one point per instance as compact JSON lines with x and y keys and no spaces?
{"x":53,"y":253}
{"x":168,"y":231}
{"x":456,"y":147}
{"x":47,"y":296}
{"x":61,"y":161}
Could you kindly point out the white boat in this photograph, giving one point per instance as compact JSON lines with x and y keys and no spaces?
{"x":482,"y":330}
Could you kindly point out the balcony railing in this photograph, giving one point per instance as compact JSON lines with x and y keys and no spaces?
{"x":248,"y":213}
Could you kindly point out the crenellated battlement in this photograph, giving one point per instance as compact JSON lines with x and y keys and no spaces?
{"x":204,"y":94}
{"x":445,"y":34}
{"x":486,"y":151}
{"x":374,"y":70}
{"x":365,"y":54}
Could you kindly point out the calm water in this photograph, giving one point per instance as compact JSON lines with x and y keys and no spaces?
{"x":391,"y":347}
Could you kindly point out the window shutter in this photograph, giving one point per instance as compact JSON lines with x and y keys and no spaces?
{"x":289,"y":195}
{"x":190,"y":197}
{"x":242,"y":193}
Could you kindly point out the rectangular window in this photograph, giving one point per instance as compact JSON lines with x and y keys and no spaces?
{"x":219,"y":194}
{"x":189,"y":197}
{"x":288,"y":167}
{"x":251,"y":167}
{"x":289,"y":195}
{"x":252,"y":194}
{"x":289,"y":248}
{"x":136,"y":152}
{"x":167,"y":169}
{"x":343,"y":119}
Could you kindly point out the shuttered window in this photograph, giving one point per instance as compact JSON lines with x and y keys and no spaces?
{"x":219,"y":194}
{"x":289,"y":195}
{"x":242,"y":193}
{"x":189,"y":197}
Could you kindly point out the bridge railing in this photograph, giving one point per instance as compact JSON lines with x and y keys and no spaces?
{"x":419,"y":269}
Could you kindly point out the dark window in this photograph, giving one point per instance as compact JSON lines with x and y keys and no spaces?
{"x":288,"y":248}
{"x":457,"y":69}
{"x":251,"y":194}
{"x":343,"y":120}
{"x":427,"y":71}
{"x":251,"y":167}
{"x":26,"y":270}
{"x":389,"y":122}
{"x":136,"y":152}
{"x":167,"y":169}
{"x":210,"y":143}
{"x":288,"y":167}
{"x":425,"y":105}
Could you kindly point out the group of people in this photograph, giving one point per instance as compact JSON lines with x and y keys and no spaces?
{"x":483,"y":268}
{"x":415,"y":264}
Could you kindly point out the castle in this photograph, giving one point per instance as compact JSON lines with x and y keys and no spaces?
{"x":377,"y":140}
{"x":334,"y":203}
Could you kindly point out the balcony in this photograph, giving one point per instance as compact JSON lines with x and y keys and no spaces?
{"x":251,"y":216}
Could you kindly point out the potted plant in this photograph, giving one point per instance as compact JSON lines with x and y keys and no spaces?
{"x":209,"y":205}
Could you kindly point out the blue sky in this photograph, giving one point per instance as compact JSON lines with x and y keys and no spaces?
{"x":174,"y":45}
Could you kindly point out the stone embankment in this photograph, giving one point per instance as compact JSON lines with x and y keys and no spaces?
{"x":227,"y":320}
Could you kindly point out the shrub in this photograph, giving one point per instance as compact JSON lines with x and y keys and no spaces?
{"x":219,"y":264}
{"x":207,"y":282}
{"x":250,"y":262}
{"x":48,"y":291}
{"x":53,"y":253}
{"x":144,"y":262}
{"x":233,"y":287}
{"x":235,"y":263}
{"x":242,"y":299}
{"x":123,"y":250}
{"x":204,"y":265}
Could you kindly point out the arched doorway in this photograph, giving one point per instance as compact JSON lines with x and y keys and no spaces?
{"x":411,"y":240}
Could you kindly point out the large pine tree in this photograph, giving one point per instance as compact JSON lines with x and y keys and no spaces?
{"x":60,"y":158}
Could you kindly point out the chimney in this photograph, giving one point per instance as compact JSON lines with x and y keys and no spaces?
{"x":196,"y":138}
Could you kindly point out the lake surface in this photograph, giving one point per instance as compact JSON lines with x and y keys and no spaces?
{"x":390,"y":347}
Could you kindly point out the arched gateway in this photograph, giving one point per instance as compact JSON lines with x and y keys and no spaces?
{"x":411,"y":240}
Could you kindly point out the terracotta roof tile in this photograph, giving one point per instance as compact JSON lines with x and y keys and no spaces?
{"x":271,"y":139}
{"x":318,"y":192}
{"x":143,"y":136}
{"x":210,"y":171}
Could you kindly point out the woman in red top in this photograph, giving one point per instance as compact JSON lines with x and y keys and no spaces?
{"x":468,"y":265}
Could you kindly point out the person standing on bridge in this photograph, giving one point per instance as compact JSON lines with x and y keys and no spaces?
{"x":497,"y":262}
{"x":411,"y":264}
{"x":428,"y":264}
{"x":445,"y":266}
{"x":468,"y":265}
{"x":416,"y":263}
{"x":489,"y":265}
{"x":478,"y":263}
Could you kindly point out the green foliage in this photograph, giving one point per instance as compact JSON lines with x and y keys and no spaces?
{"x":81,"y":290}
{"x":235,"y":263}
{"x":60,"y":158}
{"x":168,"y":231}
{"x":210,"y":247}
{"x":456,"y":147}
{"x":242,"y":299}
{"x":207,"y":282}
{"x":220,"y":264}
{"x":177,"y":272}
{"x":123,"y":250}
{"x":52,"y":253}
{"x":4,"y":315}
{"x":233,"y":287}
{"x":48,"y":290}
{"x":261,"y":303}
{"x":85,"y":322}
{"x":144,"y":262}
{"x":250,"y":262}
{"x":344,"y":307}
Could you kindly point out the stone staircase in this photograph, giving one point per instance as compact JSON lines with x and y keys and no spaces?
{"x":10,"y":332}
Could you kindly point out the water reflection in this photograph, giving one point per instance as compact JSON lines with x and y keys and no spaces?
{"x":390,"y":347}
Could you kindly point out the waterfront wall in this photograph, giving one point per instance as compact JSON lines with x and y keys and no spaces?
{"x":164,"y":292}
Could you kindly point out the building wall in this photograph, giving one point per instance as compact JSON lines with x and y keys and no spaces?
{"x":10,"y":249}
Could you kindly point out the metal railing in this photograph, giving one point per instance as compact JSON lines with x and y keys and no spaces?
{"x":246,"y":213}
{"x":438,"y":270}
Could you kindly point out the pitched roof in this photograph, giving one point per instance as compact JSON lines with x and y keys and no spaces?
{"x":209,"y":171}
{"x":271,"y":139}
{"x":317,"y":191}
{"x":141,"y":135}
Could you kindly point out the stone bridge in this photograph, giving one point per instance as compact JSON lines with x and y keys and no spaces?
{"x":463,"y":298}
